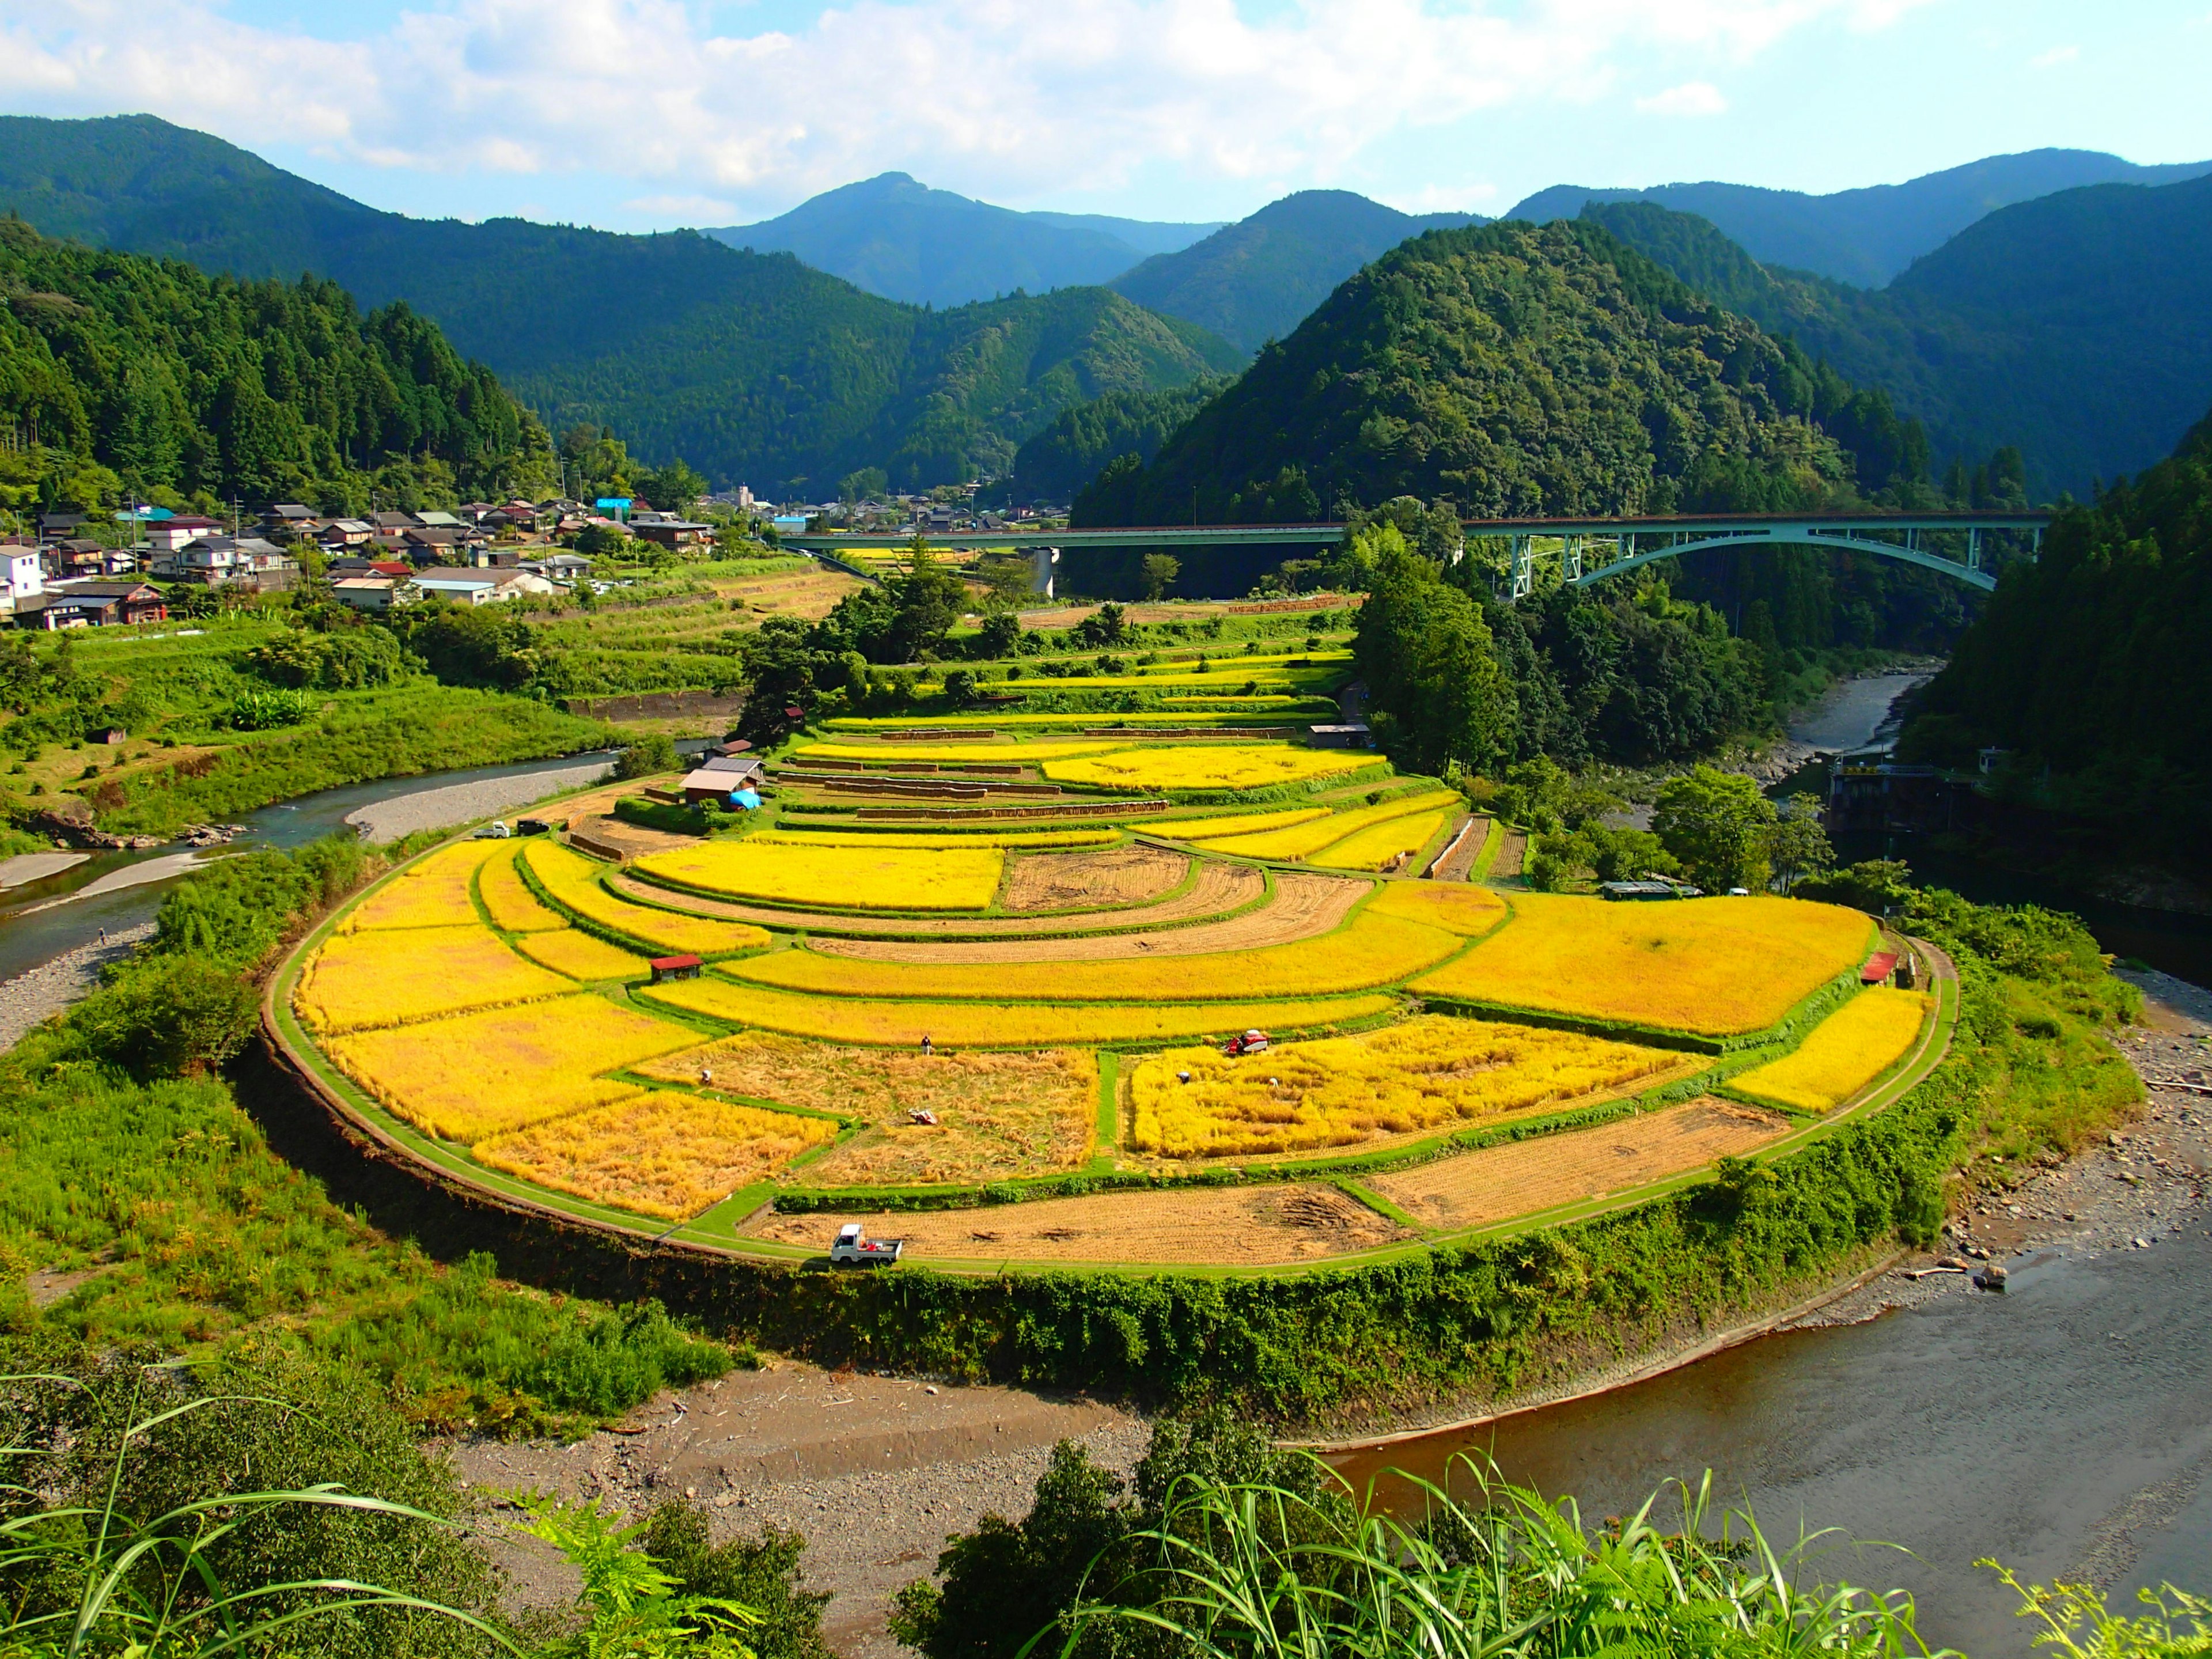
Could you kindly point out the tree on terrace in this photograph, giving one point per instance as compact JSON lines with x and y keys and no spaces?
{"x":1719,"y":826}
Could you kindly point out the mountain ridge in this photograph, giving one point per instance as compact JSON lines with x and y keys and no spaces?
{"x":754,"y":367}
{"x":2098,"y":291}
{"x":1868,"y":235}
{"x":1256,"y":280}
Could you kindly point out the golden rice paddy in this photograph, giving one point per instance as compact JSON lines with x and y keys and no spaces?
{"x":507,"y":901}
{"x":432,"y":892}
{"x":391,"y":976}
{"x":572,"y":881}
{"x":1431,"y":1072}
{"x":1210,"y":766}
{"x":879,"y":875}
{"x":1717,"y":967}
{"x":1303,"y":839}
{"x":1369,"y":950}
{"x":1846,"y":1051}
{"x":1456,"y":907}
{"x":483,"y":1036}
{"x":1236,"y":823}
{"x":1382,"y":845}
{"x":667,"y":1155}
{"x":580,"y":956}
{"x":477,"y":1074}
{"x":999,"y":1025}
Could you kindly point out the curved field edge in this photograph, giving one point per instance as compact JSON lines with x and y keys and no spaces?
{"x":716,"y":1230}
{"x":1488,"y":1318}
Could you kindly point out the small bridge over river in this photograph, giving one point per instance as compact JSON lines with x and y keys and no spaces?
{"x":1965,"y":546}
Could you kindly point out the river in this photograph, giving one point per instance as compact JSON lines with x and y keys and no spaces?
{"x":111,"y":892}
{"x":1858,"y":713}
{"x":2064,"y":1427}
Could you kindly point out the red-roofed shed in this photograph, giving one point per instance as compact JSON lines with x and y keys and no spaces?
{"x":1879,"y":967}
{"x":686,"y":967}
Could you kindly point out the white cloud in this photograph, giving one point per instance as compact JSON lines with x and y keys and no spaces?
{"x":1691,"y":98}
{"x":1020,"y":101}
{"x":2054,"y":57}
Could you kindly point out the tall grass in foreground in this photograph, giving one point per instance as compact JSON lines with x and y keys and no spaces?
{"x":1262,"y":1571}
{"x":1258,"y":1570}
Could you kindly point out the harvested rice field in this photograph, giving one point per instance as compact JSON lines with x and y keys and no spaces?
{"x":1302,"y":907}
{"x":1076,"y":881}
{"x":663,"y":1154}
{"x":1247,"y":1227}
{"x":1718,"y":967}
{"x":997,"y":1114}
{"x":1499,"y":1182}
{"x":1218,"y":888}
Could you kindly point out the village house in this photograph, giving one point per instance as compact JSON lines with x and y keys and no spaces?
{"x":479,"y":587}
{"x":167,"y":534}
{"x":92,"y":605}
{"x":345,"y":533}
{"x":665,"y":530}
{"x":371,"y":593}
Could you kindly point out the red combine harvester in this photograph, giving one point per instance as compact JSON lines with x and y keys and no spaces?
{"x":1252,"y":1042}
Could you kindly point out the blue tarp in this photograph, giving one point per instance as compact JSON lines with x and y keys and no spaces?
{"x":744,"y":800}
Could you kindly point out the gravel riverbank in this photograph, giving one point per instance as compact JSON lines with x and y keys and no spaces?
{"x":28,"y":998}
{"x":457,"y":804}
{"x":875,"y":1472}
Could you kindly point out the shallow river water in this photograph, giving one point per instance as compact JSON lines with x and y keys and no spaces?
{"x":111,"y":890}
{"x":2064,"y":1427}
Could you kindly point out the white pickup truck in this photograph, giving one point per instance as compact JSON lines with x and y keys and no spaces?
{"x":858,"y":1252}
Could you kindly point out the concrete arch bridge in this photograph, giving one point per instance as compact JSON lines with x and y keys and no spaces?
{"x":1964,"y":546}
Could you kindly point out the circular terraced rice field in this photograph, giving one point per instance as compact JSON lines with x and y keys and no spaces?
{"x":490,"y":1008}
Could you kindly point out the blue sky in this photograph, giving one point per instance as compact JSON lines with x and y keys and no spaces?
{"x":641,"y":114}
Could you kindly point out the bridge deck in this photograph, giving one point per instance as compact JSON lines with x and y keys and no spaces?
{"x":1761,"y":526}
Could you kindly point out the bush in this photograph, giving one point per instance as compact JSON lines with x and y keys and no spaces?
{"x":167,"y":1017}
{"x":647,"y":757}
{"x":763,"y":1575}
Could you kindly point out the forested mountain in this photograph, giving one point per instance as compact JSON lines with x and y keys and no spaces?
{"x":1867,"y":236}
{"x":1082,"y":442}
{"x":1515,"y":369}
{"x":183,"y":384}
{"x":1256,"y":280}
{"x":2071,"y":326}
{"x":896,"y":237}
{"x":751,"y":366}
{"x":2092,"y":662}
